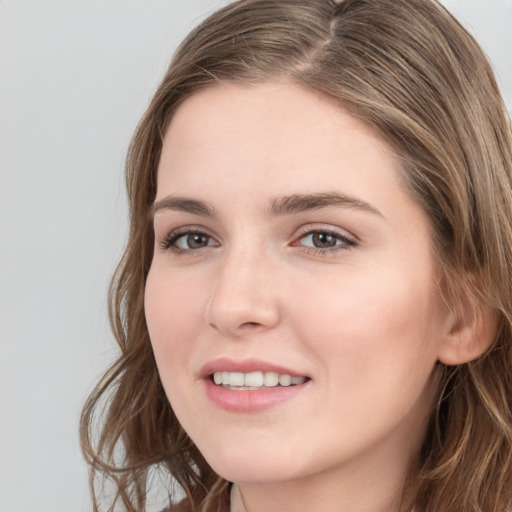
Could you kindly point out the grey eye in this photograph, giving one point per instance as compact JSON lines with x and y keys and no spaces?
{"x":322,"y":240}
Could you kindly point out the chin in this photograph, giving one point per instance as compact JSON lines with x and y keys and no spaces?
{"x":248,"y":473}
{"x":255,"y":466}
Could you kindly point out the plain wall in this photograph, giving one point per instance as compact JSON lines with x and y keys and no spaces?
{"x":75,"y":76}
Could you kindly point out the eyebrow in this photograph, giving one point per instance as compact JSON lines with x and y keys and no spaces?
{"x":284,"y":205}
{"x":305,"y":202}
{"x":183,"y":204}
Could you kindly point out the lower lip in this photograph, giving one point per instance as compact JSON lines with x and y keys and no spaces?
{"x":251,"y":400}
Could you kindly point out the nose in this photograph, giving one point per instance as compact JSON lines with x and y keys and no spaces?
{"x":244,"y":299}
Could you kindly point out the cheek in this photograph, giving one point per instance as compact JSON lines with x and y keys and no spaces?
{"x":372,"y":324}
{"x":172,"y":309}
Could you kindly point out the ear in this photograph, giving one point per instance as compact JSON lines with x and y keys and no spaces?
{"x":471,"y":330}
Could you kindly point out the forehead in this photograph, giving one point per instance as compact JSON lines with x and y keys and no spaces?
{"x":275,"y":129}
{"x":272,"y":106}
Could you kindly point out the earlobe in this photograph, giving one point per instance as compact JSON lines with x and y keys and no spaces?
{"x":471,"y":330}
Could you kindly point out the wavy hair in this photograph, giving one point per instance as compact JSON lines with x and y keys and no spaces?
{"x":409,"y":70}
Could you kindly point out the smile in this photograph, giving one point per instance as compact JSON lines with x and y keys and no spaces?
{"x":255,"y":380}
{"x":251,"y":385}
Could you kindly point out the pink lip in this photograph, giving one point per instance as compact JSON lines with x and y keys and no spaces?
{"x":245,"y":401}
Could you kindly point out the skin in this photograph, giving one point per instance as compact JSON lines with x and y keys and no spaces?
{"x":362,"y":319}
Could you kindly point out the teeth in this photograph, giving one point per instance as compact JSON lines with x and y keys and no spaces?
{"x":255,"y":379}
{"x":285,"y":380}
{"x":271,"y":379}
{"x":236,"y":379}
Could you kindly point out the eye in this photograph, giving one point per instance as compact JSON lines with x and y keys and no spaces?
{"x":189,"y":240}
{"x":193,"y":241}
{"x":324,"y":240}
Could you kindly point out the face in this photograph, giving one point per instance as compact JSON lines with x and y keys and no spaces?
{"x":291,"y":302}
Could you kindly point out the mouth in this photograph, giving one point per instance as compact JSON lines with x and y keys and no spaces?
{"x":251,"y":385}
{"x":253,"y":381}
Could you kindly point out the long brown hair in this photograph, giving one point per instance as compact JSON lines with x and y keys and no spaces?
{"x":408,"y":69}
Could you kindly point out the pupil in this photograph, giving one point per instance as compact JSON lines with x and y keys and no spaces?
{"x":196,"y":241}
{"x":324,"y":240}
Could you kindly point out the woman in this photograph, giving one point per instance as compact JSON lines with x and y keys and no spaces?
{"x":314,"y":306}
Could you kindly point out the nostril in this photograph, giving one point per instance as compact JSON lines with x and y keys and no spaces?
{"x":251,"y":326}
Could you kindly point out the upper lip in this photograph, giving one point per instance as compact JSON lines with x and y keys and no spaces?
{"x":225,"y":364}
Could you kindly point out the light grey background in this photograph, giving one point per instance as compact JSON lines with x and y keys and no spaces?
{"x":75,"y":76}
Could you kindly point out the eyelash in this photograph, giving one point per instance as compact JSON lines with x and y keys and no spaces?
{"x":345,"y":243}
{"x":169,"y":242}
